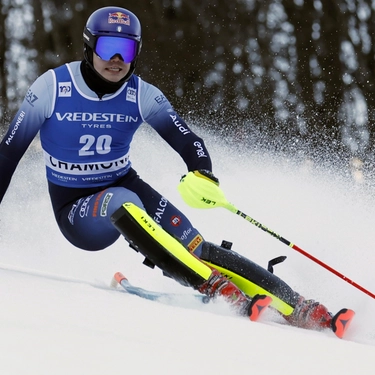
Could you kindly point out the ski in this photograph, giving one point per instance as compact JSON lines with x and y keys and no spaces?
{"x":258,"y":304}
{"x":341,"y":322}
{"x":120,"y":279}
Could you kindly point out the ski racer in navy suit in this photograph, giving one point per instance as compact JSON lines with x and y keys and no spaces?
{"x":87,"y":113}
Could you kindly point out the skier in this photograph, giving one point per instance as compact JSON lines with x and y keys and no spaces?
{"x":87,"y":113}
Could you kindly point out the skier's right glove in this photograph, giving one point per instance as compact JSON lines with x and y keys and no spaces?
{"x":200,"y":189}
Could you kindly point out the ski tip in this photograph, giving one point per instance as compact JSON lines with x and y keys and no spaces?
{"x":118,"y":276}
{"x":341,"y":322}
{"x":258,"y":305}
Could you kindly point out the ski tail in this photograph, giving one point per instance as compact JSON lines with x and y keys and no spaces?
{"x":258,"y":306}
{"x":341,"y":322}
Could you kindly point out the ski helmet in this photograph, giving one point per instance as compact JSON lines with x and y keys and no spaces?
{"x":110,"y":31}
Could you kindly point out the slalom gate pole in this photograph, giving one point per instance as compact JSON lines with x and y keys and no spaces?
{"x":233,"y":209}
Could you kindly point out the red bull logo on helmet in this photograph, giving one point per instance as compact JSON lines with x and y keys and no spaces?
{"x":119,"y":17}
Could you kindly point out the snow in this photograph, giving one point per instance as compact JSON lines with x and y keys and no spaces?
{"x":58,"y":314}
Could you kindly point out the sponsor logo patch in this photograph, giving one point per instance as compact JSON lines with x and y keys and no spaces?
{"x":31,"y":98}
{"x":131,"y":95}
{"x":119,"y":17}
{"x":195,"y":243}
{"x":65,"y":89}
{"x":107,"y":198}
{"x":160,"y":99}
{"x":96,"y":204}
{"x":175,"y":221}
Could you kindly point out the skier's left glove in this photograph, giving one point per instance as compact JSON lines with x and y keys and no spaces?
{"x":200,"y":189}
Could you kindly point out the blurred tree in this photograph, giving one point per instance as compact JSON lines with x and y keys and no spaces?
{"x":3,"y":73}
{"x":284,"y":73}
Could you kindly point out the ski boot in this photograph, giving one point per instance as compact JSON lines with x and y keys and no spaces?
{"x":218,"y":285}
{"x":310,"y":314}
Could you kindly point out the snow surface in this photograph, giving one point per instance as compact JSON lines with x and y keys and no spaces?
{"x":59,"y":316}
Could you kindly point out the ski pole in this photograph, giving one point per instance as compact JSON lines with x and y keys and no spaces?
{"x":209,"y":195}
{"x":233,"y":209}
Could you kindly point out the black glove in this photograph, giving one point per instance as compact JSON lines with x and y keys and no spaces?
{"x":208,"y":175}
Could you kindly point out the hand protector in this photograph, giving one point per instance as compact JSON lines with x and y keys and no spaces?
{"x":200,"y":189}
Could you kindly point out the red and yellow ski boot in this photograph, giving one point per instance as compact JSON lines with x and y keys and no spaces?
{"x":218,"y":285}
{"x":309,"y":314}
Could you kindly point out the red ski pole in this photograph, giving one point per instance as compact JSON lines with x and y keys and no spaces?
{"x":200,"y":192}
{"x":233,"y":209}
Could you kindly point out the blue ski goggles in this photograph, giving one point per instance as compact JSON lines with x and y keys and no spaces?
{"x":108,"y":46}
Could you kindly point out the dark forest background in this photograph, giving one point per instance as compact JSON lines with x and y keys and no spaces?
{"x":288,"y":75}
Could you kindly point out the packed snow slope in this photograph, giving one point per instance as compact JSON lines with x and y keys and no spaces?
{"x":59,"y":316}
